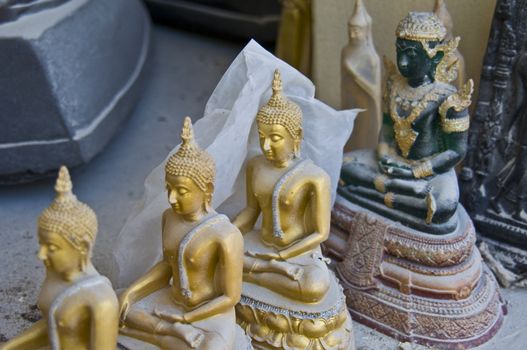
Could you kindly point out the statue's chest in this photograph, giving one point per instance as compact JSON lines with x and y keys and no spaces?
{"x":286,"y":192}
{"x":409,"y":121}
{"x":70,"y":317}
{"x":264,"y":186}
{"x":196,"y":248}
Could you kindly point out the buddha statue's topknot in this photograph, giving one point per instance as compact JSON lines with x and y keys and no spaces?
{"x":421,"y":26}
{"x":67,"y":216}
{"x":191,"y":161}
{"x":280,"y":110}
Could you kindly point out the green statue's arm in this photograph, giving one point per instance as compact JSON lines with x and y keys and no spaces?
{"x":246,"y":219}
{"x":386,"y":140}
{"x":230,"y":278}
{"x":104,"y":323}
{"x":387,"y":163}
{"x":455,"y":143}
{"x":34,"y":337}
{"x":454,"y":123}
{"x":321,"y":216}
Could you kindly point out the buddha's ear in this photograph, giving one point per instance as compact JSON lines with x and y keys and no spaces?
{"x":85,"y":245}
{"x":298,"y":141}
{"x":85,"y":253}
{"x":438,"y":57}
{"x":300,"y":134}
{"x":208,"y":196}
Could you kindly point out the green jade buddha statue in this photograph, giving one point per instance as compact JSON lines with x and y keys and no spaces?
{"x":405,"y":247}
{"x":411,"y":177}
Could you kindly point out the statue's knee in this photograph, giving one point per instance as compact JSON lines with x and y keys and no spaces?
{"x":347,"y":173}
{"x":445,"y":211}
{"x":315,"y":287}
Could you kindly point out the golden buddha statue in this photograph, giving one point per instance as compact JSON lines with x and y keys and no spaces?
{"x":361,"y":80}
{"x":79,"y":306}
{"x":202,"y":256}
{"x":290,"y":300}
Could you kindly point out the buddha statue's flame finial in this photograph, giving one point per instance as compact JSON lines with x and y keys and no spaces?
{"x":67,"y":216}
{"x":277,"y":99}
{"x":280,"y":110}
{"x":277,"y":82}
{"x":63,"y":186}
{"x":191,"y":161}
{"x":187,"y":133}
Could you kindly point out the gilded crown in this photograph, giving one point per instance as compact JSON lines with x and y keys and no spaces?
{"x":280,"y":110}
{"x":421,"y":26}
{"x":191,"y":161}
{"x":73,"y":220}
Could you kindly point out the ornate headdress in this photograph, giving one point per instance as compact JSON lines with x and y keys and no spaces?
{"x":425,"y":27}
{"x":280,"y":110}
{"x":421,"y":26}
{"x":191,"y":161}
{"x":73,"y":220}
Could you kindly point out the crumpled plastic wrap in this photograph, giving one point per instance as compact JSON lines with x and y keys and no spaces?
{"x":228,"y":132}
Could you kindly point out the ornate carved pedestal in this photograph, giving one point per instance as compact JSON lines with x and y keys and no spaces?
{"x":275,"y":322}
{"x":429,"y":289}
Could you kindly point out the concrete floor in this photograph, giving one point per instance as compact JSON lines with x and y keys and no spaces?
{"x":182,"y":72}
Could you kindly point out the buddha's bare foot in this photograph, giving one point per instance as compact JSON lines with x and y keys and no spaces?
{"x":291,"y":271}
{"x":190,"y":335}
{"x":296,"y":273}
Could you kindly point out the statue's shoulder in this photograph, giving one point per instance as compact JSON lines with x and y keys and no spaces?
{"x":453,"y":110}
{"x":256,"y":161}
{"x":166,"y":214}
{"x":225,"y":230}
{"x":98,"y":290}
{"x":316,"y":173}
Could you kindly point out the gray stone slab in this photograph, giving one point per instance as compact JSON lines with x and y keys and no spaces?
{"x":71,"y":75}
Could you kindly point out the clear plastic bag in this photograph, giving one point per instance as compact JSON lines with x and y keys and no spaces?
{"x":228,"y":132}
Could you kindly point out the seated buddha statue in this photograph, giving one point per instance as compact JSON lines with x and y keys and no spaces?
{"x":186,"y":301}
{"x":79,"y":306}
{"x":411,"y":176}
{"x":290,"y":299}
{"x":408,"y":260}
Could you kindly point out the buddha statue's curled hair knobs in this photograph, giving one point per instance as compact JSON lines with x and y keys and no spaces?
{"x":191,"y":161}
{"x":280,"y":110}
{"x":67,"y":216}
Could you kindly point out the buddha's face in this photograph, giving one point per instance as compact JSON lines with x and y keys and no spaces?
{"x":184,"y":195}
{"x":413,"y":61}
{"x":59,"y":255}
{"x":277,"y":144}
